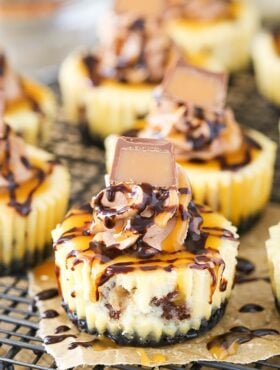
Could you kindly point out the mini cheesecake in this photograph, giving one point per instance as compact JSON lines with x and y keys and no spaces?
{"x":30,"y":107}
{"x":110,"y":88}
{"x":273,"y":255}
{"x":222,"y":160}
{"x":143,"y":264}
{"x":266,"y":58}
{"x":34,"y":192}
{"x":218,"y":29}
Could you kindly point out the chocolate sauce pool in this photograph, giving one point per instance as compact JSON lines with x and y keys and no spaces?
{"x":49,"y":314}
{"x":226,"y":344}
{"x":53,"y":339}
{"x":46,"y":294}
{"x":251,"y":308}
{"x":61,"y":329}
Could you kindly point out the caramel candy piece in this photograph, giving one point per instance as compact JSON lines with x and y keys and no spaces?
{"x":196,"y":86}
{"x":152,"y":8}
{"x":144,"y":161}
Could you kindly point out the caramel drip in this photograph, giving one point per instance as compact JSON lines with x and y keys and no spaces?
{"x":227,"y":344}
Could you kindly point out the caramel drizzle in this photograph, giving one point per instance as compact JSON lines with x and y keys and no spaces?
{"x":227,"y":344}
{"x":197,"y":257}
{"x":23,"y":208}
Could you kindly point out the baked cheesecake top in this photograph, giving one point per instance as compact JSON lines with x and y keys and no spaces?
{"x":189,"y":111}
{"x":204,"y":10}
{"x":133,"y":47}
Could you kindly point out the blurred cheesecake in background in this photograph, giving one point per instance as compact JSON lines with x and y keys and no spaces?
{"x":219,"y":29}
{"x":38,"y":34}
{"x":269,"y":9}
{"x":30,"y":107}
{"x":266,"y":60}
{"x":223,"y":160}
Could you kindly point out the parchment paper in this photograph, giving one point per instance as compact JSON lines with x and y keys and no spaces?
{"x":252,"y":247}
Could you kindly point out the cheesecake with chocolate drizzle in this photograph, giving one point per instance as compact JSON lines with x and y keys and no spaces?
{"x":143,"y":264}
{"x":273,"y":255}
{"x":223,"y":160}
{"x":266,"y":59}
{"x":220,"y":30}
{"x":34,"y":191}
{"x":30,"y":107}
{"x":105,"y":90}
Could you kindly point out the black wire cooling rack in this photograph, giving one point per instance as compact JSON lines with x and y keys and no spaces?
{"x":19,"y":346}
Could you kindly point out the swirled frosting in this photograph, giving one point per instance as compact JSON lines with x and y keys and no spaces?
{"x":139,"y":216}
{"x":196,"y":133}
{"x":132,"y":49}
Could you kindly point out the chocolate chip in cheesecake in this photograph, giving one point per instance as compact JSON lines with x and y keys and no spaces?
{"x":171,"y":310}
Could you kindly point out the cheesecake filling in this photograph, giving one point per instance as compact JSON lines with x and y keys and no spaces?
{"x":133,"y":49}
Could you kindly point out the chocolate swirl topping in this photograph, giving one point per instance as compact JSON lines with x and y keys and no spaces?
{"x":133,"y":50}
{"x":195,"y":121}
{"x":127,"y":215}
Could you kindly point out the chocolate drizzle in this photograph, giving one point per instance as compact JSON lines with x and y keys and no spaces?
{"x":62,"y":329}
{"x":53,"y":339}
{"x":46,"y":294}
{"x":49,"y":314}
{"x":251,"y":308}
{"x":227,"y":344}
{"x":196,"y":255}
{"x":88,"y":344}
{"x":91,"y":62}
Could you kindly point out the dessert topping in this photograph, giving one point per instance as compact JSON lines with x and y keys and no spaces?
{"x":133,"y":47}
{"x":189,"y":112}
{"x":143,"y":208}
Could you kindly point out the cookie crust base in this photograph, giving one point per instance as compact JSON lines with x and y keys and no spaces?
{"x":135,"y":340}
